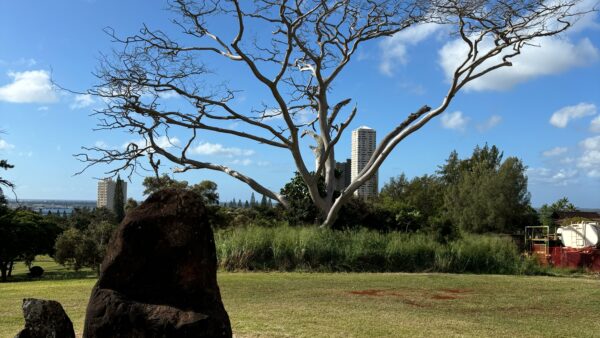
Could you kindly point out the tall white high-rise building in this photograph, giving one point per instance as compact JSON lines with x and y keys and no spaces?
{"x":363,"y":146}
{"x":106,"y":193}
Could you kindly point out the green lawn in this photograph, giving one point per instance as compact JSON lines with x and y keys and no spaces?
{"x":364,"y":304}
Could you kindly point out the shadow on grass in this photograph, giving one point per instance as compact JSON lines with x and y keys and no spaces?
{"x":53,"y":275}
{"x":52,"y":271}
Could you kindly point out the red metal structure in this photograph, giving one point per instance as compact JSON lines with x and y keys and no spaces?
{"x":549,"y":250}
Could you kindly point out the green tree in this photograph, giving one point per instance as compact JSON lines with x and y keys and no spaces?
{"x":81,"y":218}
{"x":119,"y":200}
{"x":153,"y":184}
{"x":263,"y":201}
{"x":4,"y":182}
{"x":424,"y":194}
{"x":208,"y":191}
{"x":300,"y":207}
{"x":77,"y":248}
{"x":130,"y":205}
{"x":23,"y":235}
{"x":485,"y":194}
{"x":547,"y":212}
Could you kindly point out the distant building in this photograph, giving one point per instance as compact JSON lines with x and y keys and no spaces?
{"x":343,"y":175}
{"x":565,"y":217}
{"x":106,"y":193}
{"x":363,"y":146}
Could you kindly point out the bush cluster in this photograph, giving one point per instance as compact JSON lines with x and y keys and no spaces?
{"x":285,"y":248}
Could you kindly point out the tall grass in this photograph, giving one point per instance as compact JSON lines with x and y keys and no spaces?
{"x":287,"y":248}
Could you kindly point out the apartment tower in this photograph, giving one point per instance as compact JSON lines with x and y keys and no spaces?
{"x":363,"y":146}
{"x":106,"y":193}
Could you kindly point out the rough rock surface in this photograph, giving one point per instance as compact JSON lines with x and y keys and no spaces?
{"x":159,"y":278}
{"x":45,"y":318}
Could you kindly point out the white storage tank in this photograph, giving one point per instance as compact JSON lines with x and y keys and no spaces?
{"x":580,"y":235}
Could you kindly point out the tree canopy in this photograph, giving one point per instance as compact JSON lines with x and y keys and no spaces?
{"x":78,"y":248}
{"x":23,"y":235}
{"x":486,"y":194}
{"x":207,"y":189}
{"x":547,"y":211}
{"x":295,"y":51}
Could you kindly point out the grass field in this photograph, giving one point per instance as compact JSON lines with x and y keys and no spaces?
{"x":362,"y":304}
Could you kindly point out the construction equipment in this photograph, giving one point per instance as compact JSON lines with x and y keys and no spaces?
{"x":574,"y":246}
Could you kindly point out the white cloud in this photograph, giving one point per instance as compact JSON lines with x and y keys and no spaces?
{"x":150,"y":94}
{"x":167,"y":142}
{"x":101,"y":145}
{"x":555,"y":151}
{"x":30,"y":62}
{"x":585,"y":21}
{"x":395,"y":48}
{"x":561,"y":117}
{"x":43,"y":108}
{"x":567,"y":160}
{"x":550,"y":55}
{"x":302,"y":116}
{"x":27,"y":62}
{"x":271,"y":114}
{"x":490,"y":123}
{"x":245,"y":162}
{"x":595,"y":125}
{"x":590,"y":158}
{"x":455,"y":121}
{"x":207,"y":148}
{"x":595,"y":173}
{"x":168,"y":95}
{"x":82,"y":101}
{"x":591,"y":143}
{"x":161,"y":141}
{"x":32,"y":86}
{"x":6,"y":146}
{"x":560,"y":177}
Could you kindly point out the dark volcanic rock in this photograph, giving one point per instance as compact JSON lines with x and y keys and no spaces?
{"x":159,"y":276}
{"x":36,"y":271}
{"x":45,"y":318}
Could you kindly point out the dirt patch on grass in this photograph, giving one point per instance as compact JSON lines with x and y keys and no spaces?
{"x":387,"y":293}
{"x":368,"y":292}
{"x":443,"y":297}
{"x":375,"y":292}
{"x":456,"y":290}
{"x":412,"y":302}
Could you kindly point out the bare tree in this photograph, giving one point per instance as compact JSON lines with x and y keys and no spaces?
{"x":295,"y":50}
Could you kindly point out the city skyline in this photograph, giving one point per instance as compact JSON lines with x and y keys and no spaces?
{"x":542,"y":110}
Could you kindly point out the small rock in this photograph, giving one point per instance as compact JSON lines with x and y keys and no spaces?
{"x":36,"y":271}
{"x":45,"y":319}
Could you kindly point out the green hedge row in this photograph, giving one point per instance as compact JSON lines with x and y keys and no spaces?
{"x":286,"y":248}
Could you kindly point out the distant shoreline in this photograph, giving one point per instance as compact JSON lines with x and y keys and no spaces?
{"x":46,"y":206}
{"x":24,"y":200}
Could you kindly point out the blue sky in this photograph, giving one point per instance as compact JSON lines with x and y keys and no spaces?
{"x":543,"y":110}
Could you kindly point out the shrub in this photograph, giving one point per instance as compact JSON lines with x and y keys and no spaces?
{"x":288,"y":248}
